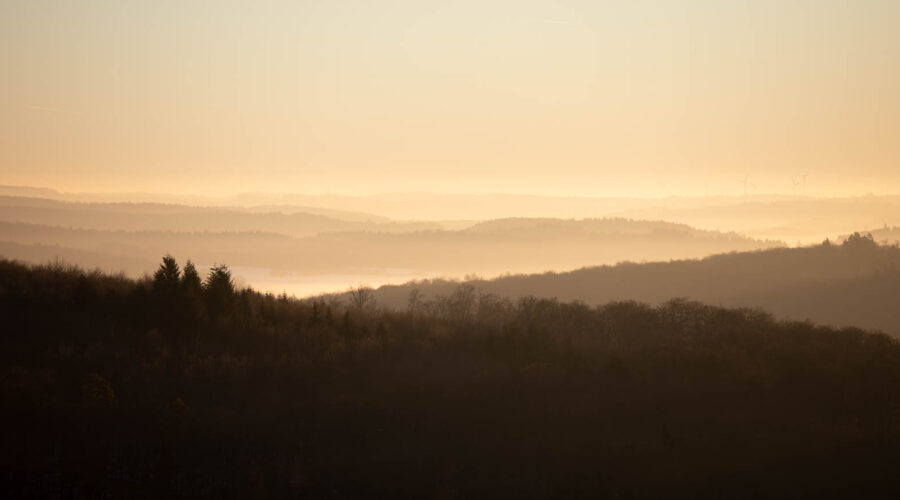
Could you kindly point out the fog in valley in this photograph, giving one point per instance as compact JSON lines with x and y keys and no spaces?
{"x":626,"y":249}
{"x":303,"y":250}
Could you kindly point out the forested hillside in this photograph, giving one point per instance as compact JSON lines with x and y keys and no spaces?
{"x":178,"y":386}
{"x":855,"y":283}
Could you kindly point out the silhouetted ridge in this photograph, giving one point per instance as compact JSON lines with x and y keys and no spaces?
{"x":856,"y":282}
{"x":172,"y":387}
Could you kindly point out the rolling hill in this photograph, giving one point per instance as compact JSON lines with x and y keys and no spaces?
{"x":854,"y":283}
{"x":495,"y":247}
{"x":167,"y":388}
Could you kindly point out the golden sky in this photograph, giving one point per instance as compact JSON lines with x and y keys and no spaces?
{"x":629,"y":98}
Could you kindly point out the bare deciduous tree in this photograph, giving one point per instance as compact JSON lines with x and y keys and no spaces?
{"x":362,"y":298}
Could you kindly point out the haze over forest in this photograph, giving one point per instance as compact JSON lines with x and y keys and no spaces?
{"x":412,"y":248}
{"x":305,"y":250}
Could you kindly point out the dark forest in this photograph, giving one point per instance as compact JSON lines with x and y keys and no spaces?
{"x":175,"y":386}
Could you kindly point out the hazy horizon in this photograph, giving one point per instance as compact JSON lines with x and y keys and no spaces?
{"x":219,"y":195}
{"x":450,"y":249}
{"x":552,"y":97}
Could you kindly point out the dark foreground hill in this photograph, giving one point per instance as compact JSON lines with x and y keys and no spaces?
{"x":169,"y":388}
{"x":854,"y":283}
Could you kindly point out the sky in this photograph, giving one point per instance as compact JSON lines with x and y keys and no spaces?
{"x":596,"y":98}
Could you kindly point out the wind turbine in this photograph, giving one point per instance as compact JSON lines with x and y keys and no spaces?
{"x":796,"y":183}
{"x":804,"y":183}
{"x":744,"y":182}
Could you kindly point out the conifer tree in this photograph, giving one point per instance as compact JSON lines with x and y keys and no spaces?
{"x":168,"y":275}
{"x":190,"y":279}
{"x":192,"y":289}
{"x":219,"y":290}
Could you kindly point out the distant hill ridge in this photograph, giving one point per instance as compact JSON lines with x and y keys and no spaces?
{"x":177,"y":217}
{"x":592,"y":225}
{"x":853,"y":283}
{"x":303,"y":245}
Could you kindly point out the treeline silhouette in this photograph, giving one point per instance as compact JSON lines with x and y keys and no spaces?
{"x":852,"y":283}
{"x":181,"y":386}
